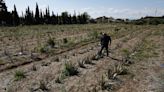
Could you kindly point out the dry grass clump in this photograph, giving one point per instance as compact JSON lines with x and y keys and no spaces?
{"x":51,"y":43}
{"x":19,"y":75}
{"x":55,"y":59}
{"x":104,"y":85}
{"x":34,"y":68}
{"x":81,"y":63}
{"x":117,"y":69}
{"x":43,"y":85}
{"x":87,"y":60}
{"x":70,"y":69}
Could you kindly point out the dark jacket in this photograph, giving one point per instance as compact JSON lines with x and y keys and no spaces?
{"x":105,"y":39}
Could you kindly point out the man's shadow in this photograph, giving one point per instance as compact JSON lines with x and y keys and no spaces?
{"x":116,"y":59}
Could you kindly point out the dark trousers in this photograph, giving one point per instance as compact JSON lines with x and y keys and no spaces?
{"x":102,"y":47}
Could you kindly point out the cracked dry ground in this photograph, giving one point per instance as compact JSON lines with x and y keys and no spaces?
{"x":145,"y":74}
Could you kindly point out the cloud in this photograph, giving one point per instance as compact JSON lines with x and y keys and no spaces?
{"x":123,"y":13}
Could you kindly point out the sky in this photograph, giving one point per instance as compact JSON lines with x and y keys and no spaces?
{"x":131,"y":9}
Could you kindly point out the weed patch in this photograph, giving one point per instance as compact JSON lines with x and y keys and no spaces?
{"x":19,"y":75}
{"x":70,"y":70}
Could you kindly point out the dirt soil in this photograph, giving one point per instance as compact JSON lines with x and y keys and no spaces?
{"x":145,"y":73}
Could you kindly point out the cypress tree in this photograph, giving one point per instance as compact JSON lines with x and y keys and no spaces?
{"x":5,"y":16}
{"x":37,"y":18}
{"x":64,"y":17}
{"x":15,"y":17}
{"x":28,"y":17}
{"x":74,"y":19}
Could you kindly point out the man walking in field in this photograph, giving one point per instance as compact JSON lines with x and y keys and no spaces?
{"x":105,"y":40}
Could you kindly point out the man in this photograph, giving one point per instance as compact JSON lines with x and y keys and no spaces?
{"x":105,"y":39}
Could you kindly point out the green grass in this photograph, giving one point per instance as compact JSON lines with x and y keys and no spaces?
{"x":146,"y":50}
{"x":70,"y":69}
{"x":1,"y":61}
{"x":19,"y":75}
{"x":51,"y":42}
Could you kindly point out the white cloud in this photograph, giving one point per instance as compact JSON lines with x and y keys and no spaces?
{"x":124,"y":13}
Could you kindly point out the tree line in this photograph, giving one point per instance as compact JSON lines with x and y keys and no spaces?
{"x":39,"y":17}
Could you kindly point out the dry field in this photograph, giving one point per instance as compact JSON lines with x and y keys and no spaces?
{"x":63,"y":58}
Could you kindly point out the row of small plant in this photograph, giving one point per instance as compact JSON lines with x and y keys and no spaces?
{"x":72,"y":69}
{"x":66,"y":43}
{"x":119,"y":68}
{"x":129,"y":54}
{"x":111,"y":74}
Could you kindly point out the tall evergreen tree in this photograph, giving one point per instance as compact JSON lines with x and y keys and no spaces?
{"x":47,"y":16}
{"x":57,"y":19}
{"x":74,"y":19}
{"x":3,"y":7}
{"x":15,"y":17}
{"x":41,"y":17}
{"x":5,"y":16}
{"x":37,"y":17}
{"x":53,"y":18}
{"x":70,"y":19}
{"x":86,"y":17}
{"x":28,"y":17}
{"x":64,"y":17}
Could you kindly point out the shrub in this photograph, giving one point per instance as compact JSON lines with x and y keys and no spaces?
{"x":116,"y":29}
{"x":43,"y":86}
{"x":119,"y":69}
{"x":19,"y":75}
{"x":104,"y":84}
{"x":110,"y":74}
{"x":95,"y":57}
{"x":88,"y":60}
{"x":126,"y":52}
{"x":1,"y":62}
{"x":55,"y":59}
{"x":45,"y":49}
{"x":58,"y":80}
{"x":65,"y":40}
{"x":51,"y":42}
{"x":126,"y":56}
{"x":34,"y":68}
{"x":81,"y":64}
{"x":70,"y":70}
{"x":94,"y":34}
